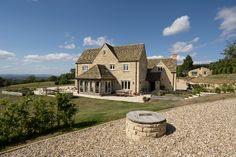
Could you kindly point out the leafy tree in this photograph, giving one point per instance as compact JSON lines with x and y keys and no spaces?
{"x":1,"y":82}
{"x":31,"y":79}
{"x":65,"y":109}
{"x":52,"y":78}
{"x":230,"y":51}
{"x":185,"y":67}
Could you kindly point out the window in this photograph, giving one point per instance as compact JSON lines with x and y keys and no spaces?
{"x":86,"y":86}
{"x":104,"y":52}
{"x":91,"y":86}
{"x":125,"y":84}
{"x":205,"y":72}
{"x":160,"y":69}
{"x":84,"y":68}
{"x":126,"y":67}
{"x":81,"y":86}
{"x":194,"y":73}
{"x":112,"y":67}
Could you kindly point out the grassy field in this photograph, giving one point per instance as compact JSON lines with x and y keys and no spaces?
{"x":98,"y":110}
{"x":220,"y":78}
{"x":31,"y":85}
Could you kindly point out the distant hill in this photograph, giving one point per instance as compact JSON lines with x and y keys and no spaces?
{"x":23,"y":76}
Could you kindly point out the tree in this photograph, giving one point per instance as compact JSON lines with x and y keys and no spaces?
{"x":44,"y":116}
{"x":52,"y":78}
{"x":65,"y":110}
{"x":31,"y":79}
{"x":230,"y":51}
{"x":186,"y":66}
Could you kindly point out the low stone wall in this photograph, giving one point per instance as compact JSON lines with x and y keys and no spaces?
{"x":137,"y":131}
{"x":12,"y":93}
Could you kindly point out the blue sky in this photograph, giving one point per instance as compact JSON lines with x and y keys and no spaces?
{"x":46,"y":36}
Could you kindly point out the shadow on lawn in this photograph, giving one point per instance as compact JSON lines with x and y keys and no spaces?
{"x":170,"y":129}
{"x":85,"y":124}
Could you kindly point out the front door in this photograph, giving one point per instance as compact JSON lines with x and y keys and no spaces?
{"x":153,"y":86}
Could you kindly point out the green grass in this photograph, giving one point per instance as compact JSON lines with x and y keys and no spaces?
{"x":223,"y":76}
{"x":98,"y":111}
{"x":31,"y":85}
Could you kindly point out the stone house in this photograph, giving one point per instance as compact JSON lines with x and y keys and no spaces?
{"x":104,"y":70}
{"x":202,"y":71}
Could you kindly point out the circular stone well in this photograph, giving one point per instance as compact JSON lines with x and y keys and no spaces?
{"x":144,"y":125}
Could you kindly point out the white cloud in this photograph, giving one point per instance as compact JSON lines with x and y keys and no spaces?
{"x":68,"y":46}
{"x":180,"y":58}
{"x":6,"y":54}
{"x":195,"y":39}
{"x":228,"y":25}
{"x":48,"y":57}
{"x":181,"y":24}
{"x":181,"y":46}
{"x":69,"y":43}
{"x":99,"y":41}
{"x":155,"y":57}
{"x":202,"y":62}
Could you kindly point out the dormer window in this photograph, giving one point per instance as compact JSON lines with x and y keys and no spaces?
{"x":84,"y":68}
{"x":112,"y":67}
{"x":160,"y":69}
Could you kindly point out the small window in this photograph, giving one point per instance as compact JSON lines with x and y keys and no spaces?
{"x":204,"y":72}
{"x":159,"y":68}
{"x":112,"y":67}
{"x":104,"y":52}
{"x":84,"y":68}
{"x":125,"y":84}
{"x":126,"y":67}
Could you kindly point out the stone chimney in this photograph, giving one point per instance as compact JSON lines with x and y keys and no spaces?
{"x":174,"y":56}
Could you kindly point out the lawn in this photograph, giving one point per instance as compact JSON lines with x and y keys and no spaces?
{"x":212,"y":79}
{"x":31,"y":85}
{"x":96,"y":111}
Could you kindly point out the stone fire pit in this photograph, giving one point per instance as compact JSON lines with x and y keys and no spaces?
{"x":144,"y":125}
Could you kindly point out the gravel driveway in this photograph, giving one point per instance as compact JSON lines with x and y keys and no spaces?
{"x":207,"y":129}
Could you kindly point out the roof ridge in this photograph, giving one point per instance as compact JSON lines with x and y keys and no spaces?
{"x":128,"y":45}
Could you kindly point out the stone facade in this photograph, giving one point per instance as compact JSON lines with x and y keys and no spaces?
{"x":202,"y":71}
{"x":136,"y":74}
{"x":138,"y":131}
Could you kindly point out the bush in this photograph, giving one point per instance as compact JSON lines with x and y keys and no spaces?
{"x":198,"y":89}
{"x":230,"y":88}
{"x":217,"y":90}
{"x":145,"y":99}
{"x":65,"y":110}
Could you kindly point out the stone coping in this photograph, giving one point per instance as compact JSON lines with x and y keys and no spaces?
{"x":145,"y":117}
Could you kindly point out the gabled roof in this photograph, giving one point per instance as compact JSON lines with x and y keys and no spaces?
{"x":169,"y":62}
{"x":124,"y":53}
{"x":97,"y":72}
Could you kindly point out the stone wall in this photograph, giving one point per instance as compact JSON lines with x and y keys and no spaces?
{"x":138,"y":131}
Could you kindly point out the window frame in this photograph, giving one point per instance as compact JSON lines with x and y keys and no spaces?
{"x":85,"y":69}
{"x":125,"y":84}
{"x":125,"y":65}
{"x":112,"y":65}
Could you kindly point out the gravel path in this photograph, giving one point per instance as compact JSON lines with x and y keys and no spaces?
{"x":207,"y":129}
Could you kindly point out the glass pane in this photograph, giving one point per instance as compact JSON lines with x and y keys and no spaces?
{"x":128,"y":84}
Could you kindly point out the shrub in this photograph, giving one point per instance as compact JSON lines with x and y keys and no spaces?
{"x":230,"y":88}
{"x":217,"y":90}
{"x":65,"y":110}
{"x":145,"y":99}
{"x":198,"y":89}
